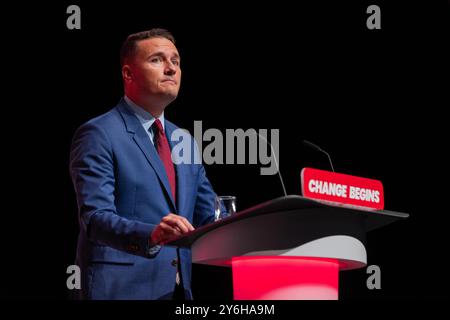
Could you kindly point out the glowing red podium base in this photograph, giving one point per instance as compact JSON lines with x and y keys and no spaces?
{"x":285,"y":278}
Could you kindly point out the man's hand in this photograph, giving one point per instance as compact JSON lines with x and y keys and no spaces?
{"x":170,"y":226}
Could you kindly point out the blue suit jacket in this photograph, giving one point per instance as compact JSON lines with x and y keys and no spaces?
{"x":122,"y":193}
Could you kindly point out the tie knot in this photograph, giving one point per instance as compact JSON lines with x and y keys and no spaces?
{"x":158,"y":126}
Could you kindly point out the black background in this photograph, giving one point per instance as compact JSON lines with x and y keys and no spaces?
{"x":374,"y":99}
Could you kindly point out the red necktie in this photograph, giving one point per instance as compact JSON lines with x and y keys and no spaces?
{"x":162,"y":146}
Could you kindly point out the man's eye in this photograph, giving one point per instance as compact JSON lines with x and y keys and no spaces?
{"x":155,"y":60}
{"x":176,"y":62}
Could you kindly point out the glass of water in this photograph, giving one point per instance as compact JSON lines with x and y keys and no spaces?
{"x":224,"y":207}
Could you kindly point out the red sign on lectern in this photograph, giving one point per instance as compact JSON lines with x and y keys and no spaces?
{"x":342,"y":189}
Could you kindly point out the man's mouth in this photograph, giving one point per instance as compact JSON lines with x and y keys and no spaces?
{"x":170,"y":81}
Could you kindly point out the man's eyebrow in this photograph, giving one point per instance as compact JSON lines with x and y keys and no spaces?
{"x":162,"y":54}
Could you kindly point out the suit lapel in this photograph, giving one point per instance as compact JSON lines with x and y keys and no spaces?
{"x":148,"y":149}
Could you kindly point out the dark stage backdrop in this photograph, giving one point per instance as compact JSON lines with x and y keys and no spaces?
{"x":374,"y":99}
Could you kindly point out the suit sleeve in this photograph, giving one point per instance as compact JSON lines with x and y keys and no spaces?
{"x":92,"y":173}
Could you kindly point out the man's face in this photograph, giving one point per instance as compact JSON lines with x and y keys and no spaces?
{"x":155,"y":69}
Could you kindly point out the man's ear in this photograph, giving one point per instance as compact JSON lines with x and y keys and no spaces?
{"x":127,"y":74}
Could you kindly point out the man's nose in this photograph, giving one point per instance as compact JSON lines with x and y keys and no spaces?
{"x":170,"y":69}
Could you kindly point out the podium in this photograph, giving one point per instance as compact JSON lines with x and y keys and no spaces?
{"x":289,"y":248}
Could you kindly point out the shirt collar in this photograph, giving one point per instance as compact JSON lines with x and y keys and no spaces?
{"x":145,"y":117}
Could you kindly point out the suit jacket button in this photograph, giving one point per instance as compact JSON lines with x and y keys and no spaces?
{"x":174,"y":262}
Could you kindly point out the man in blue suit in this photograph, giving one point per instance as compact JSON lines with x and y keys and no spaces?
{"x":131,"y":197}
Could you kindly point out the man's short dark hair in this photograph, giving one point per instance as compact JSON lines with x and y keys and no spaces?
{"x":129,"y":46}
